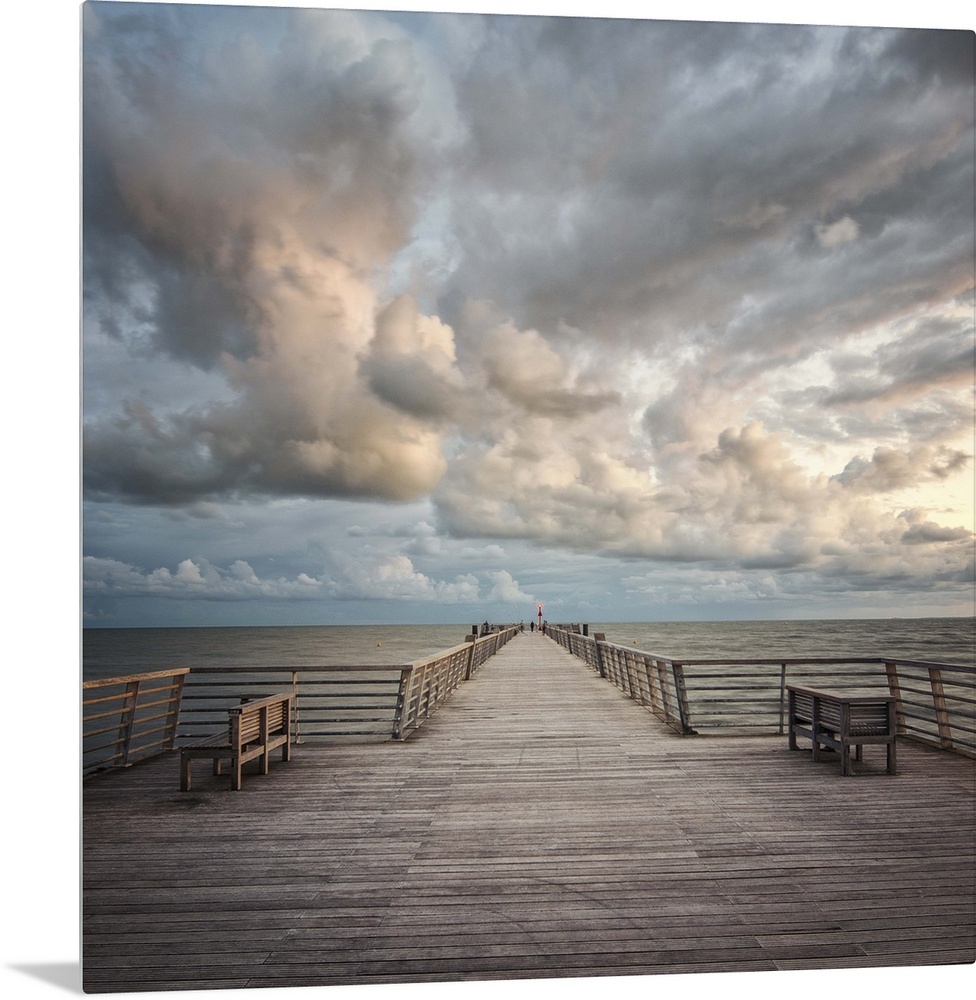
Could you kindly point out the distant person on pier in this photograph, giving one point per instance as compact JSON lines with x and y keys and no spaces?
{"x":532,"y":625}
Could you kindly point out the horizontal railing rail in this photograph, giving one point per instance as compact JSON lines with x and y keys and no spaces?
{"x":128,"y":718}
{"x":330,"y":700}
{"x":936,"y":702}
{"x":125,"y":719}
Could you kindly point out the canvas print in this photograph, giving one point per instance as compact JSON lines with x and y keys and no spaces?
{"x":527,"y":499}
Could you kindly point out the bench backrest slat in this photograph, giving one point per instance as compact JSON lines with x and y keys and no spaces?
{"x":246,"y":719}
{"x":830,"y":714}
{"x":803,"y":706}
{"x":869,"y":714}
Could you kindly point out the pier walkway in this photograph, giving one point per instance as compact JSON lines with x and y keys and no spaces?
{"x":540,"y":824}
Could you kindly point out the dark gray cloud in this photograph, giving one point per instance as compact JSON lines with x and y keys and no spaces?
{"x":677,"y":160}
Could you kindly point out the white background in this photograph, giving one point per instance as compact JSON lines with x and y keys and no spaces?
{"x":41,"y":908}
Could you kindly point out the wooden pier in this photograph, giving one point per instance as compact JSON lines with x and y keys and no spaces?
{"x":540,"y":824}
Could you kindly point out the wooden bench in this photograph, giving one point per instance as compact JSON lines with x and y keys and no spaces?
{"x":256,"y":727}
{"x":840,"y":720}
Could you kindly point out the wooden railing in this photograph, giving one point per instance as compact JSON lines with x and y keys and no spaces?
{"x":653,"y":681}
{"x":125,"y":719}
{"x":936,"y":701}
{"x":427,"y":683}
{"x":331,"y":702}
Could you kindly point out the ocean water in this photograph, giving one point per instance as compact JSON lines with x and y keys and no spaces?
{"x":939,"y":640}
{"x":114,"y":652}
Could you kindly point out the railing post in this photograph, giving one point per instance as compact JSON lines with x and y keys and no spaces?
{"x":296,"y":720}
{"x":941,"y":708}
{"x":432,"y":681}
{"x":601,"y":669}
{"x":471,"y":640}
{"x":894,"y":688}
{"x":644,"y":682}
{"x":625,"y":674}
{"x":652,"y":693}
{"x":636,"y":671}
{"x":662,"y":684}
{"x":782,"y":696}
{"x":173,"y":715}
{"x":618,"y":666}
{"x":126,"y":720}
{"x":401,"y":705}
{"x":682,"y":696}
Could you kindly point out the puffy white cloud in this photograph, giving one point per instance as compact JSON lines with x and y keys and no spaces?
{"x":193,"y":577}
{"x":529,"y":373}
{"x":394,"y":578}
{"x":506,"y":589}
{"x":252,"y":237}
{"x":743,"y":500}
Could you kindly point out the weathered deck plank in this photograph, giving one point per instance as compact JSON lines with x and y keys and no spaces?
{"x":540,"y":824}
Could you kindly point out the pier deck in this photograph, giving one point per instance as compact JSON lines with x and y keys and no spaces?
{"x":540,"y":824}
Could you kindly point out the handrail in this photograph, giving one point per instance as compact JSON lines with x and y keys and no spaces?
{"x":125,"y":719}
{"x":936,"y":702}
{"x":131,"y":717}
{"x":345,"y":701}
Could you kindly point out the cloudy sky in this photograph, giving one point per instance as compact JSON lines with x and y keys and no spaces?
{"x":405,"y":317}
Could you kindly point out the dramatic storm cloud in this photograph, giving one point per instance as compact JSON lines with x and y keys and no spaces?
{"x":405,"y":316}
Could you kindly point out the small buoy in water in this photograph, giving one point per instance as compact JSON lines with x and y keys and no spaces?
{"x":379,"y":644}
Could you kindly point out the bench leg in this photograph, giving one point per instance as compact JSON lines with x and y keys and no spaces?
{"x":184,"y":773}
{"x":235,"y":781}
{"x":892,"y":767}
{"x":845,"y":759}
